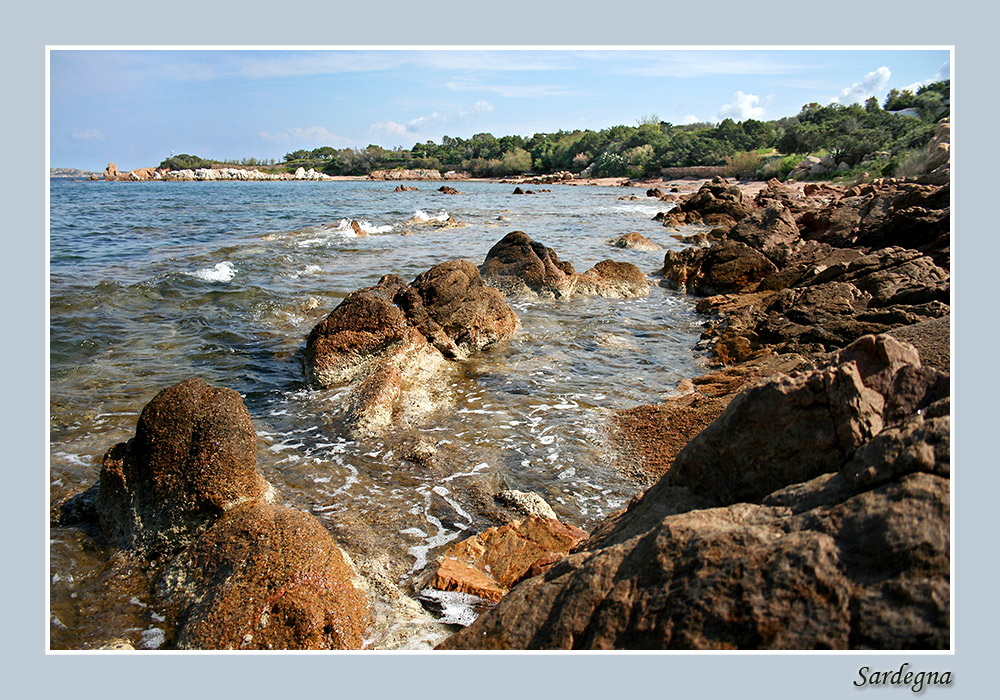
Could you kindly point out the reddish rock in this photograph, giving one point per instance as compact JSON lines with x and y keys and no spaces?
{"x":716,"y":197}
{"x":727,"y":266}
{"x":487,"y":565}
{"x":111,"y":172}
{"x":771,"y":230}
{"x":448,"y":190}
{"x":192,"y":459}
{"x":613,"y":280}
{"x":264,"y":577}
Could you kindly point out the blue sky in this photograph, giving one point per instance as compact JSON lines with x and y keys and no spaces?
{"x":134,"y":107}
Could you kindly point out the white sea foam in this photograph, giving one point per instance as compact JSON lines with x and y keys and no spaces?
{"x":421,"y":215}
{"x":222,"y":272}
{"x":307,"y":270}
{"x":456,"y":608}
{"x":152,"y":638}
{"x":344,"y":227}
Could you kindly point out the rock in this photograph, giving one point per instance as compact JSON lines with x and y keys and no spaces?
{"x":716,"y":197}
{"x":931,"y":338}
{"x":526,"y":503}
{"x":634,"y":241}
{"x":724,"y":267}
{"x":358,"y":231}
{"x":264,"y":577}
{"x":771,"y":230}
{"x":517,"y":264}
{"x":382,"y":339}
{"x":448,"y":190}
{"x":856,"y":557}
{"x":192,"y":459}
{"x":654,"y":192}
{"x":111,"y":172}
{"x":487,"y":565}
{"x":405,"y":188}
{"x":817,"y":420}
{"x":403,"y":174}
{"x":612,"y":280}
{"x":518,"y":190}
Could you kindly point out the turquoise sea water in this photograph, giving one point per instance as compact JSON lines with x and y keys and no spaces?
{"x":152,"y":283}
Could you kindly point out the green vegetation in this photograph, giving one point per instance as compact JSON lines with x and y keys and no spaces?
{"x":871,"y":140}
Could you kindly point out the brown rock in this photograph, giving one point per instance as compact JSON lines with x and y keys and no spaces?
{"x":264,"y":577}
{"x":192,"y":459}
{"x":771,"y":230}
{"x":111,"y":172}
{"x":448,"y":190}
{"x":724,"y":267}
{"x":634,"y":241}
{"x":716,"y":197}
{"x":487,"y":565}
{"x":612,"y":280}
{"x":518,"y":264}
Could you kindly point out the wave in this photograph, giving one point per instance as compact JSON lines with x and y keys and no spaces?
{"x":421,"y":215}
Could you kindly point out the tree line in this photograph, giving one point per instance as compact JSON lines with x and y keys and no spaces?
{"x":873,"y":137}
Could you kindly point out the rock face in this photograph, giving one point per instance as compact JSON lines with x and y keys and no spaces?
{"x":487,"y":565}
{"x":193,"y":458}
{"x":634,"y":241}
{"x":725,"y":267}
{"x":716,"y":197}
{"x":849,"y":551}
{"x":518,"y":265}
{"x":111,"y":172}
{"x":390,"y":343}
{"x":264,"y":577}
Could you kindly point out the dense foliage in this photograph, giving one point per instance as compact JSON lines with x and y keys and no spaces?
{"x":866,"y":137}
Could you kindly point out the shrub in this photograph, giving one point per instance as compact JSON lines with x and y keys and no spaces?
{"x":744,"y":165}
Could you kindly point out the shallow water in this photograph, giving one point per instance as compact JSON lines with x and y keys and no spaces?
{"x":152,"y":283}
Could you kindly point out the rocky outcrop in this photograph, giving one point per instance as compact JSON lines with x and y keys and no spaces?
{"x":111,"y":172}
{"x":518,"y":265}
{"x":716,"y":197}
{"x":445,"y":189}
{"x":725,"y":267}
{"x":835,"y":538}
{"x":264,"y":577}
{"x":487,"y":565}
{"x":405,"y":188}
{"x":193,"y":457}
{"x":634,"y":241}
{"x":391,"y":343}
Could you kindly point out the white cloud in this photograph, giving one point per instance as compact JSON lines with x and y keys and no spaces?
{"x":872,"y":85}
{"x":88,"y":135}
{"x":416,"y":129}
{"x":744,"y":106}
{"x":690,"y":119}
{"x":943,"y":73}
{"x":308,"y":136}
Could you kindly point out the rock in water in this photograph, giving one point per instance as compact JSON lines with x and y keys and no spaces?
{"x":488,"y":564}
{"x":518,"y":265}
{"x":634,"y":241}
{"x":264,"y":577}
{"x":391,"y":343}
{"x":193,"y":457}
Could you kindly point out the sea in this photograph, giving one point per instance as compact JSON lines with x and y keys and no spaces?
{"x":151,"y":283}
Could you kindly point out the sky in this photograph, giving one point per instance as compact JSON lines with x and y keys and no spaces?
{"x":136,"y":107}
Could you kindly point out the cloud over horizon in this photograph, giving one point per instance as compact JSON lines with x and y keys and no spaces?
{"x":744,"y":106}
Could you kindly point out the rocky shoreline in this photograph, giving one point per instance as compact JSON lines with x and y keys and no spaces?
{"x":798,"y":494}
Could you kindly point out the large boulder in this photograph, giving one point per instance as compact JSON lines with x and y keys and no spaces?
{"x":771,"y":230}
{"x":519,"y":265}
{"x":634,"y":241}
{"x":264,"y":577}
{"x":716,"y":197}
{"x":851,"y":552}
{"x":390,"y":344}
{"x":193,"y":458}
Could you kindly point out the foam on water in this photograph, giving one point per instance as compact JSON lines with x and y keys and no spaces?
{"x":221,"y":272}
{"x":421,"y":215}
